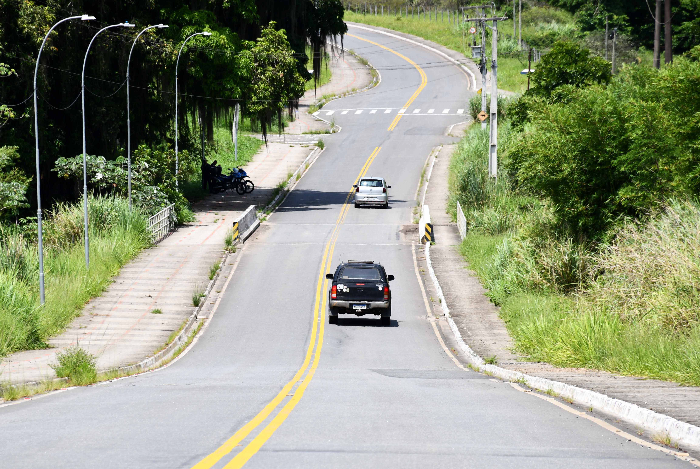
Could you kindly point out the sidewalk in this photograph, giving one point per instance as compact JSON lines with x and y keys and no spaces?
{"x":119,"y":327}
{"x":485,"y":332}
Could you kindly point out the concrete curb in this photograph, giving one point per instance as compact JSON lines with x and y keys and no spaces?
{"x":432,"y":49}
{"x":679,"y":432}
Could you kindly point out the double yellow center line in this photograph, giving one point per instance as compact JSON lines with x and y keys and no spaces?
{"x":423,"y":81}
{"x":301,"y":378}
{"x":297,"y":386}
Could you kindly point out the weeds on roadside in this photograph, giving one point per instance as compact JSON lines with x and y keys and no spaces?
{"x":156,"y":311}
{"x":214,"y":269}
{"x":320,"y":144}
{"x":76,"y":364}
{"x":197,"y":295}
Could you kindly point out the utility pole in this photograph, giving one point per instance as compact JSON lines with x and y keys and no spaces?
{"x":236,"y":120}
{"x":529,"y":67}
{"x":657,"y":35}
{"x":514,"y":25}
{"x":482,"y":70}
{"x":668,"y":42}
{"x":493,"y":118}
{"x":520,"y":23}
{"x":607,"y":33}
{"x":614,"y":66}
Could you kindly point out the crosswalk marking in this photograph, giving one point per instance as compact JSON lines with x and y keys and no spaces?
{"x":415,"y":112}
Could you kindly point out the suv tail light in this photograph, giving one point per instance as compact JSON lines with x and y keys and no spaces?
{"x":384,"y":190}
{"x":334,"y":292}
{"x":386,"y":293}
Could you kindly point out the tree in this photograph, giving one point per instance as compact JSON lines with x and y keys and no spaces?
{"x":275,"y":83}
{"x":569,"y":64}
{"x":13,"y":184}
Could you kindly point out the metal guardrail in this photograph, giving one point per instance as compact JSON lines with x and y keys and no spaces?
{"x":162,"y":223}
{"x":461,"y":222}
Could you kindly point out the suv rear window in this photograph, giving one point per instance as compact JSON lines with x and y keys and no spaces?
{"x":371,"y":183}
{"x":360,"y":273}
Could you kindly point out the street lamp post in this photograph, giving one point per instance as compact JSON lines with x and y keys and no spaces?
{"x":82,"y":93}
{"x":204,"y":33}
{"x":128,"y":112}
{"x":38,"y":174}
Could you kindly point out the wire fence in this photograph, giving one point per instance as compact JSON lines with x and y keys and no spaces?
{"x":461,"y":222}
{"x":162,"y":223}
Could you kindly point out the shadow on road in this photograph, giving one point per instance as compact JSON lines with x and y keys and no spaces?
{"x":301,"y":200}
{"x":365,"y":322}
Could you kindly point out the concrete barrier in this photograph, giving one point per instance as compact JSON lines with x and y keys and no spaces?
{"x":245,"y":225}
{"x":425,"y":226}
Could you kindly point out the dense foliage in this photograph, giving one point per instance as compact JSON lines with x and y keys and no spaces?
{"x":214,"y":73}
{"x":600,"y":152}
{"x":588,"y":239}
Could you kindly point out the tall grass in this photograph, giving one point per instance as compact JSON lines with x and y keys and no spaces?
{"x":116,"y":236}
{"x":631,"y":306}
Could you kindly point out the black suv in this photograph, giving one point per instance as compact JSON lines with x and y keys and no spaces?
{"x":360,"y":287}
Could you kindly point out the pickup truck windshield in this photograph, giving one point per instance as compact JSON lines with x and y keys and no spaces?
{"x":360,"y":273}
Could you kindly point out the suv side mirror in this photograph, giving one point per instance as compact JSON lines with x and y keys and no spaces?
{"x":389,"y":278}
{"x":388,"y":187}
{"x":329,"y":276}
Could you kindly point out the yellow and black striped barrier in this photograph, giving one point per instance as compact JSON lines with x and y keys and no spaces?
{"x":236,"y":233}
{"x":429,"y":234}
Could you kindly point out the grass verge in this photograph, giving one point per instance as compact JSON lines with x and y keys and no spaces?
{"x":116,"y":236}
{"x":628,"y":306}
{"x":450,"y":36}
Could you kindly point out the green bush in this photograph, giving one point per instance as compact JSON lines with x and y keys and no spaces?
{"x":77,"y":365}
{"x":568,"y":64}
{"x":603,"y":153}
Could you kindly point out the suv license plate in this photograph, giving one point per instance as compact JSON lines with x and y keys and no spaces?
{"x":358,"y":307}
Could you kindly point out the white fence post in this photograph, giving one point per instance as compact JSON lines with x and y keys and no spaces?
{"x":461,"y":222}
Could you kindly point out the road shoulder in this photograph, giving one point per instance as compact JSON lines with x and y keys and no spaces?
{"x":654,"y":408}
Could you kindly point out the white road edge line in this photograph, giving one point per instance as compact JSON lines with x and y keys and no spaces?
{"x":463,"y":67}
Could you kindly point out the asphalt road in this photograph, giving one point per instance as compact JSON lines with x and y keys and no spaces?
{"x":364,"y":396}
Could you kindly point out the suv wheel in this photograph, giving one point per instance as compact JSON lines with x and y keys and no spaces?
{"x":332,"y":319}
{"x":386,"y":321}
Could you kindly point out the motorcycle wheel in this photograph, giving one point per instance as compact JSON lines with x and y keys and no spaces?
{"x":249,"y":186}
{"x":240,"y":188}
